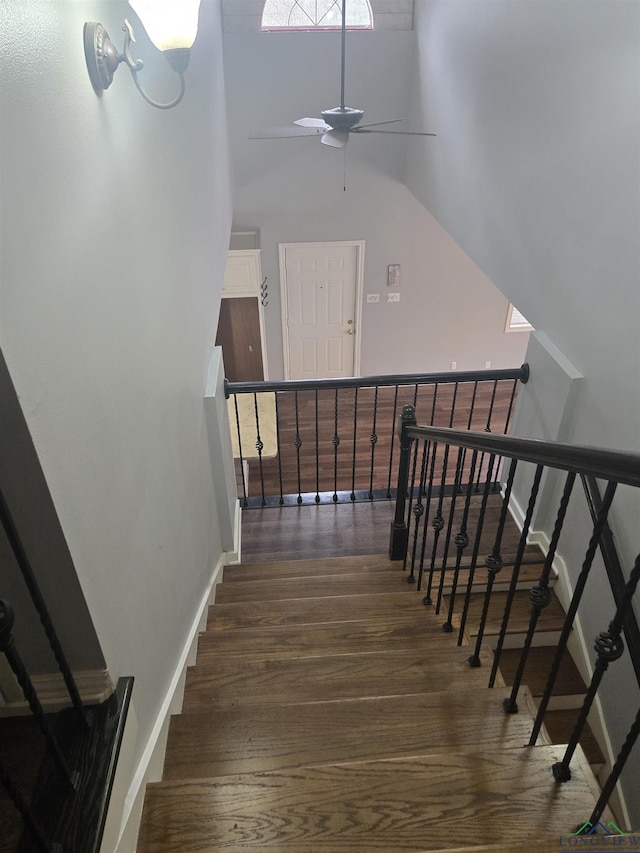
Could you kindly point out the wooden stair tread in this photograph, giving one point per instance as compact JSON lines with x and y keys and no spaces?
{"x":291,"y":585}
{"x":431,"y":803}
{"x":280,"y":589}
{"x":305,"y":568}
{"x":532,"y":564}
{"x":332,"y":638}
{"x":551,"y":619}
{"x":568,"y":683}
{"x":250,"y":738}
{"x":347,"y":608}
{"x":315,"y":679}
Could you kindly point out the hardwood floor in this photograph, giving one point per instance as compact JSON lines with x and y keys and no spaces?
{"x":328,"y":711}
{"x":364,"y":421}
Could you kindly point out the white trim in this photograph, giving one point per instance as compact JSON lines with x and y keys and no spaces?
{"x":580,"y":651}
{"x":519,"y":323}
{"x":234,"y":557}
{"x":357,"y":308}
{"x":171,"y":704}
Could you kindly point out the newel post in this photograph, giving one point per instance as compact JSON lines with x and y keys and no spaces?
{"x":399,"y":530}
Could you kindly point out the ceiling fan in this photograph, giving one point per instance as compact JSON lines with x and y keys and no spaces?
{"x":336,"y":124}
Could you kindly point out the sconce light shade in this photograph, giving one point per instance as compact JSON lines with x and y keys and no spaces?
{"x":170,"y":24}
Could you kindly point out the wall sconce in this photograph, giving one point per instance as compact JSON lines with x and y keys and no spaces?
{"x":171,"y":25}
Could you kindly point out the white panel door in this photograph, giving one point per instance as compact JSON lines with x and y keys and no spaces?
{"x":320,"y":304}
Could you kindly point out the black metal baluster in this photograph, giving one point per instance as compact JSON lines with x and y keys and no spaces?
{"x":399,"y":538}
{"x":410,"y":505}
{"x":487,"y":429}
{"x":515,"y":574}
{"x":393,"y":438}
{"x":438,"y":522}
{"x":336,"y":442}
{"x":447,"y":541}
{"x":429,"y":493}
{"x":425,"y":528}
{"x":245,"y":502}
{"x":373,"y":440}
{"x":259,"y":447}
{"x":618,"y":767}
{"x":573,"y":609}
{"x":540,"y":595}
{"x":512,"y":400}
{"x":461,"y":542}
{"x":281,"y":501}
{"x":493,"y":563}
{"x":418,"y":510}
{"x":433,"y":403}
{"x":469,"y":423}
{"x":317,"y":453}
{"x":24,"y":564}
{"x":298,"y":445}
{"x":7,"y":646}
{"x":355,"y":434}
{"x":25,"y":811}
{"x":609,"y":647}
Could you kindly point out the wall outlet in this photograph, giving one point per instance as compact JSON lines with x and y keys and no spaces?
{"x":373,"y":297}
{"x":393,"y":297}
{"x":487,"y":365}
{"x":454,"y":364}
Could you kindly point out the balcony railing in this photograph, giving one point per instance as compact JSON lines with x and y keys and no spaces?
{"x":334,"y":440}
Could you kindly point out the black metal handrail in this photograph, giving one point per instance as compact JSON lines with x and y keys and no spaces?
{"x":591,"y":464}
{"x":337,"y":437}
{"x":621,"y":466}
{"x":383,"y":380}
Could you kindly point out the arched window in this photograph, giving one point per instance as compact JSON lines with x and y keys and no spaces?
{"x":315,"y":15}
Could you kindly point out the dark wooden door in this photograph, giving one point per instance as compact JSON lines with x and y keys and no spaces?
{"x":239,"y":336}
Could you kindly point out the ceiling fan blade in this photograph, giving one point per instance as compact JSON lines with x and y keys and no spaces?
{"x":335,"y":138}
{"x":376,"y":123}
{"x":312,"y":122}
{"x":285,"y":132}
{"x":392,"y":132}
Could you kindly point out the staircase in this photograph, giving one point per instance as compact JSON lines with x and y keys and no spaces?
{"x":328,"y":711}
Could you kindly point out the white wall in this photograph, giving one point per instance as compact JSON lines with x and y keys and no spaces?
{"x":291,"y":190}
{"x":115,"y":225}
{"x":536,"y":174}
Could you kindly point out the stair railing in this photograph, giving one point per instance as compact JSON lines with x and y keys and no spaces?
{"x":510,"y":456}
{"x":68,"y":799}
{"x":334,"y":440}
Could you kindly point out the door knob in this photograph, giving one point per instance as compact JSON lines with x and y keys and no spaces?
{"x":349,"y":331}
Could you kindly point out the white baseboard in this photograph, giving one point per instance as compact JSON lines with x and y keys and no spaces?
{"x":580,"y":651}
{"x":234,"y":557}
{"x":123,"y":819}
